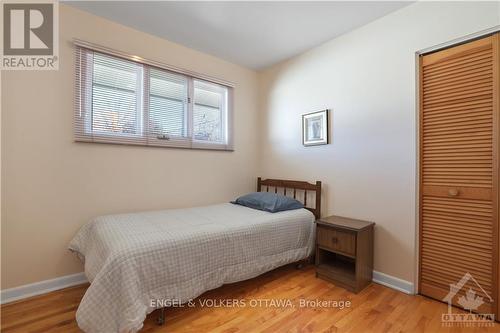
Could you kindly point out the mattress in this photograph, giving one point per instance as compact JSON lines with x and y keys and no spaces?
{"x":177,"y":254}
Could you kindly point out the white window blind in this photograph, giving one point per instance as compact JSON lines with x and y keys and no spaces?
{"x":119,"y":100}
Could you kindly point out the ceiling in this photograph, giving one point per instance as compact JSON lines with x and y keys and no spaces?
{"x":252,"y":34}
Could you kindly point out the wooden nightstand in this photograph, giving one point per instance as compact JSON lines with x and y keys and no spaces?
{"x":344,"y":251}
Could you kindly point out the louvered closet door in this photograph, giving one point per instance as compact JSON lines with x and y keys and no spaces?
{"x":458,"y":168}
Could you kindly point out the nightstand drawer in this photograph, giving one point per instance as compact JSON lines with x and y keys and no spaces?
{"x":337,"y":240}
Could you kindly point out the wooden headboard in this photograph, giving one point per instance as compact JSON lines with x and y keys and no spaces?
{"x":289,"y":187}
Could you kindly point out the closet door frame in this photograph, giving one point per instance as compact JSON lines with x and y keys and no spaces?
{"x":495,"y":33}
{"x":496,"y":170}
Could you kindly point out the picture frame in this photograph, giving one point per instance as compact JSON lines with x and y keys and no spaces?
{"x":315,"y":128}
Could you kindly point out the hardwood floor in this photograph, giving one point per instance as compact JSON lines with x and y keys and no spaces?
{"x":375,"y":309}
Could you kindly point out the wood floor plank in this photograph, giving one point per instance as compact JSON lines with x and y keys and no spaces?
{"x":376,"y":309}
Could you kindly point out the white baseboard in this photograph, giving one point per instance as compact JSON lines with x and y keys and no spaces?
{"x":393,"y":282}
{"x":42,"y":287}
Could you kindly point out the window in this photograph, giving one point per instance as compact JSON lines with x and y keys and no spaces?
{"x":209,"y":112}
{"x":115,"y":97}
{"x":119,"y":100}
{"x":168,"y":103}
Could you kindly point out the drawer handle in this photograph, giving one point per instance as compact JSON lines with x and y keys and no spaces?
{"x":452,"y":192}
{"x":334,"y":240}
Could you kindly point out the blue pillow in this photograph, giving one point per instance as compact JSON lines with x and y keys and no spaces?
{"x":269,"y":202}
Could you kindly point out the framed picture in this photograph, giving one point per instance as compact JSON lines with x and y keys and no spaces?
{"x":315,"y":128}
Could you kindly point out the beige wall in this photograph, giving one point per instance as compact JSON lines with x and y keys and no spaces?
{"x":367,"y":77}
{"x":51,"y":185}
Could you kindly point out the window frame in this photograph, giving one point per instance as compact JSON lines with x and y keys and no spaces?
{"x":83,"y":103}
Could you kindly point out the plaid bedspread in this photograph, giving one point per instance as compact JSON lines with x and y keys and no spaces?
{"x":177,"y":254}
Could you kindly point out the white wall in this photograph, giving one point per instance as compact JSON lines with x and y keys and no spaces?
{"x":52,"y":185}
{"x":367,"y":78}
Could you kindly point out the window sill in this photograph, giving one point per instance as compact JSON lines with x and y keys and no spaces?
{"x":179,"y":144}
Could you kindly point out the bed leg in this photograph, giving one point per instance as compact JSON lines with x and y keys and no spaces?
{"x":161,"y":317}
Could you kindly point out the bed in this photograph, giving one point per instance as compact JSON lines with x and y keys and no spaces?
{"x":137,"y":262}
